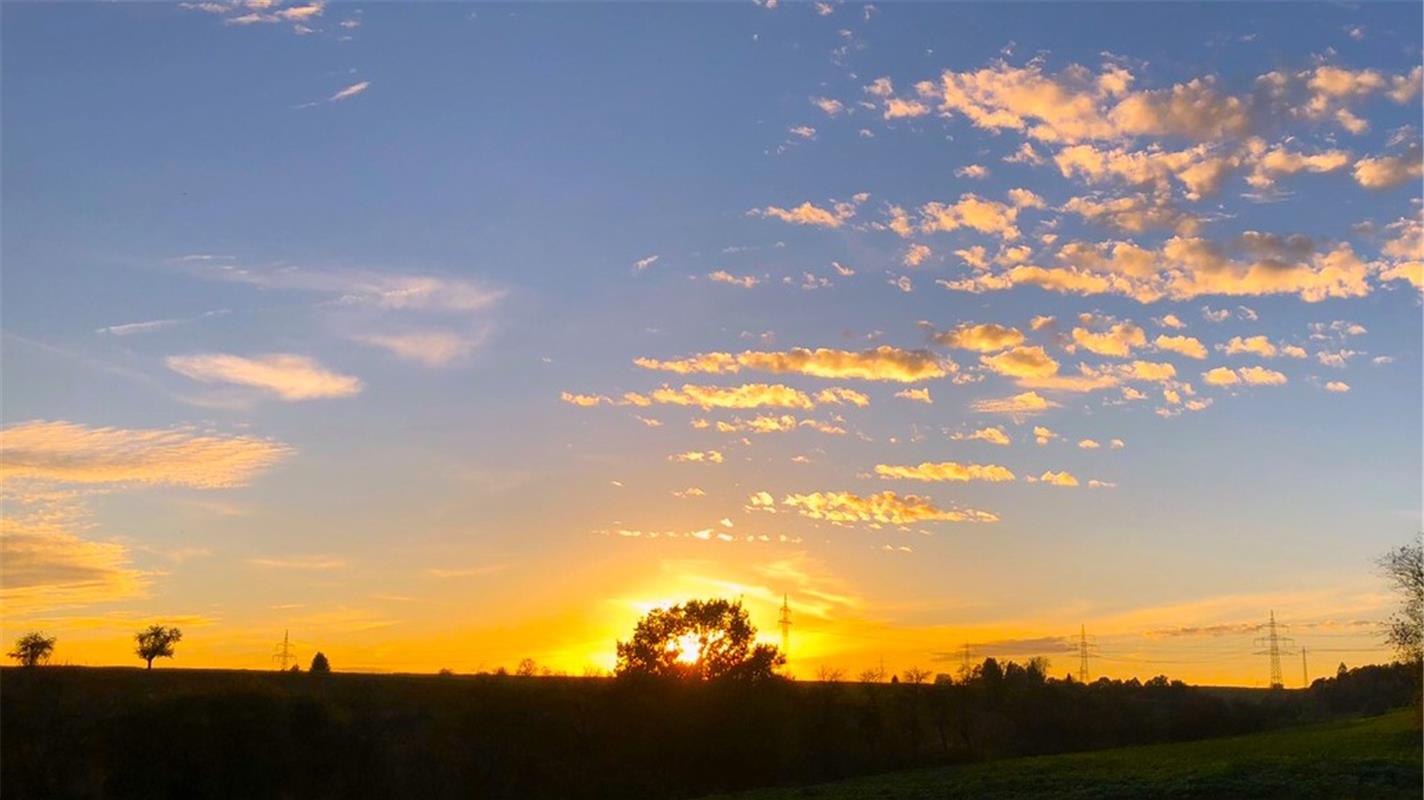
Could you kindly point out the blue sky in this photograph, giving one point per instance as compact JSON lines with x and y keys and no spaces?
{"x":421,"y":227}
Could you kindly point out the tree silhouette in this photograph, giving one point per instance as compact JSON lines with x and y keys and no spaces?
{"x":916,"y":675}
{"x":527,"y":668}
{"x":319,"y":663}
{"x":157,"y":642}
{"x":33,"y":649}
{"x":1404,"y":568}
{"x":698,"y":640}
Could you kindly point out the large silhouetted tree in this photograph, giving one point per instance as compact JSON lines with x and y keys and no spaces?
{"x":698,"y":640}
{"x":1404,"y":567}
{"x":33,"y":649}
{"x":157,"y":642}
{"x":319,"y":663}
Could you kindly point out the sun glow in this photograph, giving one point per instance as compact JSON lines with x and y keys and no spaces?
{"x":688,"y":647}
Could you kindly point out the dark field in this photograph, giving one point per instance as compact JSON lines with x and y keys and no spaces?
{"x":1374,"y":757}
{"x":77,"y":732}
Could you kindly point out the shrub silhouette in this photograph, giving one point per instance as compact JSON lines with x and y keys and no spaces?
{"x":33,"y":649}
{"x":157,"y":642}
{"x":698,"y":640}
{"x":319,"y":663}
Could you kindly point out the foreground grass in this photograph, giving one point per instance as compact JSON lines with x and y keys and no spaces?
{"x":1375,"y":757}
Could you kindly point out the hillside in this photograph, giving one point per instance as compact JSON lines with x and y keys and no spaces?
{"x":1373,"y":757}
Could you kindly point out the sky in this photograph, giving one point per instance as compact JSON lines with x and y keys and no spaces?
{"x":448,"y":335}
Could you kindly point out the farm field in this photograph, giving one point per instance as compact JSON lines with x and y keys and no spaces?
{"x":1372,"y":757}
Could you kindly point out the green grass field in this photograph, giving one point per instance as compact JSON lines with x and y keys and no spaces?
{"x":1375,"y":757}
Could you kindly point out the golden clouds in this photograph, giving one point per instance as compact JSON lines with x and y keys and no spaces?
{"x":916,"y":255}
{"x":945,"y":471}
{"x":1118,"y":340}
{"x":723,"y":276}
{"x":751,"y":395}
{"x":1021,"y":362}
{"x":1256,"y":376}
{"x":885,"y":508}
{"x":46,"y":567}
{"x":883,"y":363}
{"x":901,"y":108}
{"x":1260,"y":376}
{"x":1387,"y":172}
{"x":916,"y":395}
{"x":1077,"y":105}
{"x":767,"y":423}
{"x":585,"y":400}
{"x":837,"y":396}
{"x":1255,"y":345}
{"x":977,"y":213}
{"x":986,"y":338}
{"x":697,"y":456}
{"x":992,"y":435}
{"x":288,"y":376}
{"x":1136,"y":213}
{"x":1183,"y":268}
{"x":1058,"y":479}
{"x":66,"y":452}
{"x":1019,"y":404}
{"x":808,"y":214}
{"x":710,"y":363}
{"x":1189,"y":346}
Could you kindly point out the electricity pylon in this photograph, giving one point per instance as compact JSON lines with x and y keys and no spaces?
{"x":1272,"y":642}
{"x":284,"y":654}
{"x":1083,"y":653}
{"x":785,"y":627}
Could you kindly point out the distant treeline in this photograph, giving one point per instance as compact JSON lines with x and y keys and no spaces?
{"x":75,"y":732}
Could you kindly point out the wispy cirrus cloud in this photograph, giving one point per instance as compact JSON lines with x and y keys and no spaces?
{"x":43,"y":566}
{"x":149,"y":326}
{"x":287,"y":376}
{"x":394,"y":291}
{"x":430,"y":348}
{"x":300,"y":563}
{"x":70,"y":453}
{"x":349,"y":92}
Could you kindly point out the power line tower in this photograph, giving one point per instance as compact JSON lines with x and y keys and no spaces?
{"x":785,"y":622}
{"x":284,"y":654}
{"x":1083,"y":654}
{"x":1304,"y":670}
{"x":1272,"y":642}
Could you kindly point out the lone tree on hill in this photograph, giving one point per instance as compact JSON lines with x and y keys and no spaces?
{"x":1404,"y":568}
{"x":698,"y":640}
{"x":157,"y":642}
{"x":319,"y":663}
{"x":33,"y":649}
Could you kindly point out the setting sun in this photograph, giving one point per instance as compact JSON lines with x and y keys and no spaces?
{"x":688,"y":647}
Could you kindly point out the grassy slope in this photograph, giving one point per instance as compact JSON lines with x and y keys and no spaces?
{"x":1377,"y":757}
